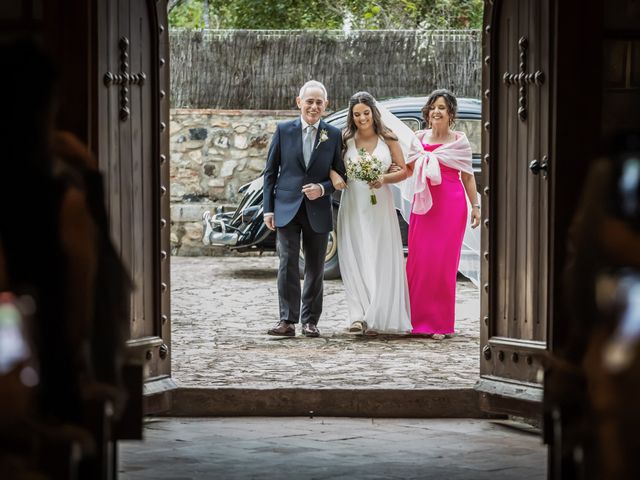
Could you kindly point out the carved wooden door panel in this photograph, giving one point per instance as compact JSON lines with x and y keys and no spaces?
{"x":132,"y":143}
{"x":516,"y":151}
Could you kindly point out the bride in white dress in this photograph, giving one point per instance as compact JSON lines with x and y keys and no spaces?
{"x":370,"y":254}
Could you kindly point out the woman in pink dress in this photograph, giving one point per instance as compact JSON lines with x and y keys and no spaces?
{"x":442,"y":177}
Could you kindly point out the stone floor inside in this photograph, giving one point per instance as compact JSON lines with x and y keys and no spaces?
{"x":221,"y":310}
{"x":333,"y":448}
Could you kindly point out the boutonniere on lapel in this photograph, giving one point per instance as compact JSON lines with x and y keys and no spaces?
{"x":324,"y":136}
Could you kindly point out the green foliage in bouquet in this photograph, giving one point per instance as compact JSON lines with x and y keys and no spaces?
{"x":367,"y":168}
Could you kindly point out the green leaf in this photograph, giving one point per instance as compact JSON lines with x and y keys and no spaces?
{"x":316,"y":14}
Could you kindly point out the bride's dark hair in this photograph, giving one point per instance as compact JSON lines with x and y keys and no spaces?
{"x":378,"y":127}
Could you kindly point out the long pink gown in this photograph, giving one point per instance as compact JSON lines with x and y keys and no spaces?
{"x":435,"y":241}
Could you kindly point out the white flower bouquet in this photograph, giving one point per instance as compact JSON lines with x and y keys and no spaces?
{"x":366,"y":168}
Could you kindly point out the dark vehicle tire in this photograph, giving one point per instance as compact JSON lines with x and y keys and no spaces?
{"x":331,"y":265}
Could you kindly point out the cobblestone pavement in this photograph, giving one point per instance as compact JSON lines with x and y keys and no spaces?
{"x":223,"y":306}
{"x":333,"y":448}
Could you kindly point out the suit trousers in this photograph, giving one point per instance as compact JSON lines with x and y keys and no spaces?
{"x":314,"y":247}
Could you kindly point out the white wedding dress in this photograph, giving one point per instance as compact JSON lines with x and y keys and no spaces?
{"x":370,"y":254}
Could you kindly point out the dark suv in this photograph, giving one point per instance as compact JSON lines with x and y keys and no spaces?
{"x":244,"y":230}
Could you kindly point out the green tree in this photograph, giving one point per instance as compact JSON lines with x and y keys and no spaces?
{"x":320,"y":14}
{"x":453,"y":14}
{"x":186,"y":14}
{"x":283,"y":14}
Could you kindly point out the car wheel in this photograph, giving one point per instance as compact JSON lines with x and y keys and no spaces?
{"x":331,"y":265}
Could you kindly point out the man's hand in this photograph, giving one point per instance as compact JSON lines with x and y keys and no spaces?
{"x":269,"y":221}
{"x":312,"y":191}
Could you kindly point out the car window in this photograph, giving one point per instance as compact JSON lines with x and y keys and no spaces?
{"x":413,"y":123}
{"x":339,"y":123}
{"x":472,"y":128}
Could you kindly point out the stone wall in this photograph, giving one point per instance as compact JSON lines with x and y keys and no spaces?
{"x":213,"y":153}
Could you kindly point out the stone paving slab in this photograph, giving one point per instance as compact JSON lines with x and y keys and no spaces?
{"x":332,"y":448}
{"x":223,"y":306}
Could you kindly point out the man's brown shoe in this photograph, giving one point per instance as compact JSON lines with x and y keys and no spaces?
{"x":310,"y":330}
{"x":283,"y":329}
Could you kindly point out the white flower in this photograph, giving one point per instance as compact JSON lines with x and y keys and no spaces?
{"x":366,"y":168}
{"x":324,"y":136}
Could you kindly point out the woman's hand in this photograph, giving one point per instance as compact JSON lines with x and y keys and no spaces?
{"x":475,"y":216}
{"x":394,"y":168}
{"x":337,"y":180}
{"x":377,"y":183}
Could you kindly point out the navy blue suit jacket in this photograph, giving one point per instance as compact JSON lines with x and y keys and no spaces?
{"x":285,"y":174}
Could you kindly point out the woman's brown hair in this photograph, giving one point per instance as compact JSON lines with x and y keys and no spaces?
{"x":448,"y":97}
{"x":378,"y":127}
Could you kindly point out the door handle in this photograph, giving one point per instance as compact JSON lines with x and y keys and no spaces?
{"x":537,"y":166}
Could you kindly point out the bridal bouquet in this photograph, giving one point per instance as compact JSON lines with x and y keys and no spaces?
{"x":366,"y":168}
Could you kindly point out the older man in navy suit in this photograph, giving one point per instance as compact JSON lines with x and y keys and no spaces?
{"x":297,"y":203}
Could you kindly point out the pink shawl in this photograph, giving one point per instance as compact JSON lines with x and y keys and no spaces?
{"x":426,"y":165}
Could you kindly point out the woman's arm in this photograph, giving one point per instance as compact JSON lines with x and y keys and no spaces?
{"x":469,"y":182}
{"x":410,"y":166}
{"x":398,"y":170}
{"x":336,"y":180}
{"x":397,"y":158}
{"x":338,"y":172}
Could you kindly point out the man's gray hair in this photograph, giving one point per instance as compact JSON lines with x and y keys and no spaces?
{"x":313,"y":84}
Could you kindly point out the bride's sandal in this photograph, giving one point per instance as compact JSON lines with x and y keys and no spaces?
{"x":357,"y":327}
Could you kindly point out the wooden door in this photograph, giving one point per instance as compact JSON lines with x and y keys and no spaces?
{"x":113,"y":91}
{"x":130,"y":136}
{"x":517,"y":107}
